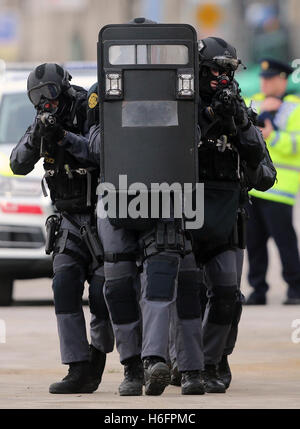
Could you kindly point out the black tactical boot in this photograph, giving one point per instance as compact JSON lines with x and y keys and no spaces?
{"x":175,"y":374}
{"x":157,"y":375}
{"x":77,"y":380}
{"x":293,"y":295}
{"x":224,"y":371}
{"x":192,"y":383}
{"x":256,"y":299}
{"x":132,"y":385}
{"x":97,"y":365}
{"x":292,"y":301}
{"x":212,"y":381}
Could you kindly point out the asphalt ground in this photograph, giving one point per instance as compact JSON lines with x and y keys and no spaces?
{"x":265,"y":363}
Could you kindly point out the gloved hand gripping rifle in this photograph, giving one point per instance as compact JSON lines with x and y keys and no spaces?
{"x":229,"y":106}
{"x":49,"y":128}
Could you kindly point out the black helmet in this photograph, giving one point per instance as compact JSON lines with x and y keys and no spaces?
{"x":142,"y":21}
{"x":215,"y":53}
{"x":47,"y":82}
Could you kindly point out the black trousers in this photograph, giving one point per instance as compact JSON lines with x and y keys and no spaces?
{"x":272,"y":219}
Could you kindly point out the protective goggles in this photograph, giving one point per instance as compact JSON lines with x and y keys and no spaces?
{"x":48,"y":90}
{"x":227,"y":63}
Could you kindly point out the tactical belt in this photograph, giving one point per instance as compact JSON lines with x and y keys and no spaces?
{"x":108,"y":256}
{"x":165,"y":238}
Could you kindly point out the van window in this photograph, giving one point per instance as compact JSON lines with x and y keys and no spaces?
{"x":16,"y":114}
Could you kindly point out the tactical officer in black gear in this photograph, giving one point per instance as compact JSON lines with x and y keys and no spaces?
{"x":58,"y":135}
{"x":128,"y":335}
{"x":128,"y":326}
{"x":133,"y":140}
{"x":233,"y":158}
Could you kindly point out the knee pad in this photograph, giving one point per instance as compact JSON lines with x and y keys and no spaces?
{"x":96,"y":298}
{"x":188,"y":299}
{"x":68,"y":288}
{"x":222,"y":305}
{"x":122,"y":300}
{"x":161,"y":277}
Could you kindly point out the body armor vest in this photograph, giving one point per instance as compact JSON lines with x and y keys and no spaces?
{"x":219,"y":170}
{"x":218,"y":158}
{"x":72,"y":185}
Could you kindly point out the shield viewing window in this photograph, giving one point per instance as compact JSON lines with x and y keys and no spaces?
{"x":148,"y":54}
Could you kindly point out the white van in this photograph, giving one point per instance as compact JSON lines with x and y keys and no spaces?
{"x":23,"y":207}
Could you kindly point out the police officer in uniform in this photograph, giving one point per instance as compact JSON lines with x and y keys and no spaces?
{"x":232,"y":159}
{"x":271,"y":212}
{"x":59,"y":136}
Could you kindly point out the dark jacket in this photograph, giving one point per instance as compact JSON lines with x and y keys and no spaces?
{"x":228,"y":175}
{"x":70,"y":168}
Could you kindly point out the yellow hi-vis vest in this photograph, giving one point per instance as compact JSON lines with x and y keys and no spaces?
{"x":5,"y":169}
{"x":284,"y":148}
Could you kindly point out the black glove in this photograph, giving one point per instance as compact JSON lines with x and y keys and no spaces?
{"x":225,"y":112}
{"x":221,"y":108}
{"x":52,"y":133}
{"x":241,"y":118}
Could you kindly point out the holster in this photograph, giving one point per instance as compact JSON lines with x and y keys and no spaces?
{"x":90,"y":237}
{"x":52,"y":227}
